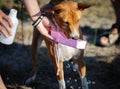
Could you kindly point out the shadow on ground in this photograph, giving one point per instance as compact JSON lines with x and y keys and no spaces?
{"x":16,"y":64}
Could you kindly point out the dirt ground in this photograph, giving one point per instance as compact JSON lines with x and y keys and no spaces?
{"x":103,"y":69}
{"x":103,"y":63}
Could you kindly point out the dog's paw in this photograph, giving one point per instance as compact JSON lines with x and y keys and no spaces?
{"x":30,"y":80}
{"x":84,"y":83}
{"x":62,"y":84}
{"x":62,"y":87}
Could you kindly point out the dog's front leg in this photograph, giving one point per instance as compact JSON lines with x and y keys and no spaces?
{"x":58,"y":65}
{"x":82,"y":72}
{"x":36,"y":42}
{"x":60,"y":75}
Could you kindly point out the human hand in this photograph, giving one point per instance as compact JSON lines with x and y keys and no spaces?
{"x":5,"y":22}
{"x":44,"y":27}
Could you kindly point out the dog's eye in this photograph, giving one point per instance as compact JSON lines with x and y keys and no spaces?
{"x":57,"y":11}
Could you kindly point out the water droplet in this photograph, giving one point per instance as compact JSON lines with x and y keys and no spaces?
{"x":71,"y":87}
{"x":93,"y":82}
{"x":74,"y":69}
{"x":68,"y":66}
{"x":7,"y":78}
{"x":89,"y":82}
{"x":75,"y":80}
{"x":70,"y":78}
{"x":68,"y":81}
{"x":72,"y":62}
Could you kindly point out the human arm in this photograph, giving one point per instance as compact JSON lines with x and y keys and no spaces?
{"x":34,"y":12}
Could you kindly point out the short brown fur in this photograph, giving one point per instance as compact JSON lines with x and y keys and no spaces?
{"x":67,"y":15}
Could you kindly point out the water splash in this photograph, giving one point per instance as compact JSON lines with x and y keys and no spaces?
{"x":72,"y":81}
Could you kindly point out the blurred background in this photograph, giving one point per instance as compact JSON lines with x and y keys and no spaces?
{"x":103,"y":63}
{"x":101,"y":15}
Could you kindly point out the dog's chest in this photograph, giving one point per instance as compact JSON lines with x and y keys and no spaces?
{"x":65,"y":53}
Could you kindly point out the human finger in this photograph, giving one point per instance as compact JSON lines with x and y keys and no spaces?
{"x":6,"y":26}
{"x":8,"y":21}
{"x":44,"y":31}
{"x":2,"y":30}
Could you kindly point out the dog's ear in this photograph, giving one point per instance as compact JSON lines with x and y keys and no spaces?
{"x":82,"y":6}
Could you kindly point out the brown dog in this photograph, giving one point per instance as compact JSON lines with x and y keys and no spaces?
{"x":67,"y":15}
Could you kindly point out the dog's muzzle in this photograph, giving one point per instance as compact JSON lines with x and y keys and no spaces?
{"x":75,"y":35}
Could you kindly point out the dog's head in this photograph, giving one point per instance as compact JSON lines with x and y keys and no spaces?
{"x":67,"y":15}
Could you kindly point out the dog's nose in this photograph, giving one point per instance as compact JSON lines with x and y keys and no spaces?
{"x":75,"y":37}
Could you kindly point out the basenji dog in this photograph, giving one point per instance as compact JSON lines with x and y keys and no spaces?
{"x":66,"y":16}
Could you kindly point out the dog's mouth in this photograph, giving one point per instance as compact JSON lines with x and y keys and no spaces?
{"x":70,"y":34}
{"x":76,"y":37}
